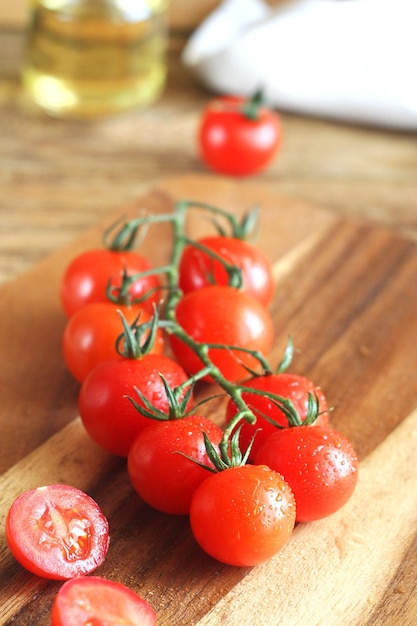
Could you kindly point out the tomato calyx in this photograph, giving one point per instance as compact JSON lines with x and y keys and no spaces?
{"x":125,"y":234}
{"x":252,"y":106}
{"x":120,"y":294}
{"x":137,"y":339}
{"x":178,"y":401}
{"x":124,"y":237}
{"x":266,"y":369}
{"x":231,"y":454}
{"x":247,"y":228}
{"x":287,"y":407}
{"x":244,"y":227}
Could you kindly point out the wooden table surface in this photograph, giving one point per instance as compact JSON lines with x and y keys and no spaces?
{"x":58,"y":178}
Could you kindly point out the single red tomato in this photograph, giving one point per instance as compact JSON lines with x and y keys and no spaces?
{"x":86,"y":278}
{"x":57,"y":532}
{"x":237,"y":136}
{"x":319,"y":464}
{"x":227,"y":316}
{"x":105,"y":409}
{"x":98,"y":601}
{"x":90,"y":335}
{"x":197,"y":269}
{"x":243,"y":515}
{"x":160,"y":473}
{"x":294,"y":387}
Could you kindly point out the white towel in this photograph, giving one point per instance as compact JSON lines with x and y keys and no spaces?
{"x":350,"y":60}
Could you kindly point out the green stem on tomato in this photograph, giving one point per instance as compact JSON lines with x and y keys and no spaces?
{"x":252,"y":105}
{"x":137,"y":339}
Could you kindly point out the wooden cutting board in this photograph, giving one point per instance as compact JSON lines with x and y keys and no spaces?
{"x":347,"y":294}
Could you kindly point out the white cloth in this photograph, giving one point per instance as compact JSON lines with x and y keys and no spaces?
{"x":350,"y":60}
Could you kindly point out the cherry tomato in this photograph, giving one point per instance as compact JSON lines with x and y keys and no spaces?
{"x":160,"y":473}
{"x":86,"y":278}
{"x":243,"y":515}
{"x":236,"y":138}
{"x":95,"y":600}
{"x":196,"y":267}
{"x":227,"y":316}
{"x":292,"y":386}
{"x":318,"y":463}
{"x":108,"y":415}
{"x":90,"y":336}
{"x":57,"y":532}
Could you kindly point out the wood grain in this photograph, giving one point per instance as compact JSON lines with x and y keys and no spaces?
{"x":345,"y":291}
{"x":59,"y":177}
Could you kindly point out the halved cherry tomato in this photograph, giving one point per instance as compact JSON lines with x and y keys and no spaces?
{"x":318,"y":463}
{"x":243,"y":515}
{"x":197,"y":269}
{"x":86,"y":278}
{"x":57,"y":532}
{"x":96,"y":601}
{"x":227,"y":316}
{"x":160,"y":473}
{"x":105,"y":410}
{"x":237,"y":136}
{"x":291,"y":386}
{"x":90,"y":335}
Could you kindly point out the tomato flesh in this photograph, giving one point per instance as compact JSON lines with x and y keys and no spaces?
{"x":99,"y":602}
{"x":57,"y":532}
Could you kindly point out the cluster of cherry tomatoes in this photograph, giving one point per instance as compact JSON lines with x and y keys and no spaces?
{"x":215,"y":327}
{"x":141,"y":339}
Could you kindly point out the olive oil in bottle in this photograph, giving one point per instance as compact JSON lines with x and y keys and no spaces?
{"x":91,"y":58}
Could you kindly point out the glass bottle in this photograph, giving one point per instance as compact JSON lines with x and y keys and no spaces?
{"x":90,"y":58}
